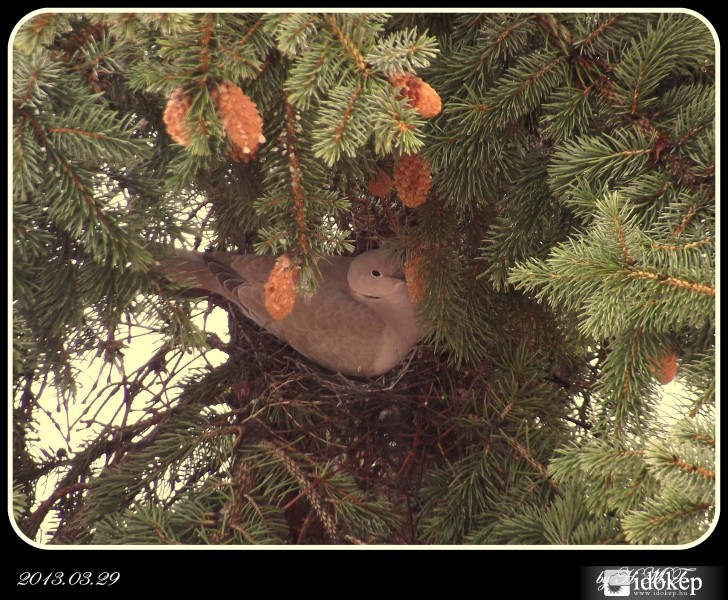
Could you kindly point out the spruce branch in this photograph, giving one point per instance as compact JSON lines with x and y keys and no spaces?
{"x":685,"y":521}
{"x":42,"y":31}
{"x":296,"y":178}
{"x":349,"y":45}
{"x":680,"y":248}
{"x":308,"y":489}
{"x":594,"y":35}
{"x":251,"y":30}
{"x":672,"y":281}
{"x":293,"y":31}
{"x":341,"y":126}
{"x":403,"y":52}
{"x":239,"y":58}
{"x":206,"y":26}
{"x":600,"y":159}
{"x":526,"y":455}
{"x":557,"y":31}
{"x":310,"y":75}
{"x":31,"y":523}
{"x":647,"y":62}
{"x":690,"y":215}
{"x":396,"y":126}
{"x":519,"y":91}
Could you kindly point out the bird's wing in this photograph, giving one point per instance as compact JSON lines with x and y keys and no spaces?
{"x":331,"y":327}
{"x":335,"y":331}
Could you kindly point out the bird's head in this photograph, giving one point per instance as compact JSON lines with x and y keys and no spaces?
{"x":376,"y":275}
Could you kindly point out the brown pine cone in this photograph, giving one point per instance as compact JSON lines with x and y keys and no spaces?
{"x":240,"y":119}
{"x":413,"y":277}
{"x":175,"y":114}
{"x":423,"y":97}
{"x":279,"y":291}
{"x":412,"y":179}
{"x":380,"y":184}
{"x":664,"y":367}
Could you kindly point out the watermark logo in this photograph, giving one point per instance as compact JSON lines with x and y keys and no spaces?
{"x":615,"y":582}
{"x":649,"y":582}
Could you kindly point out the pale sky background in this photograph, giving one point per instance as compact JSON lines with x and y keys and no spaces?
{"x":63,"y":425}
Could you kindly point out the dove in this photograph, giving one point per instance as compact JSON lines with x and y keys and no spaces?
{"x":359,"y":322}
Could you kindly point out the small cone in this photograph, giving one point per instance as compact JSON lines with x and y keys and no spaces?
{"x":380,"y":184}
{"x":175,"y":114}
{"x":279,"y":291}
{"x":240,"y":118}
{"x":413,"y":278}
{"x":423,"y":97}
{"x":664,"y":368}
{"x":412,"y":179}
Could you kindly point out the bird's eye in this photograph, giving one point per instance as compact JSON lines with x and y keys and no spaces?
{"x":376,"y":273}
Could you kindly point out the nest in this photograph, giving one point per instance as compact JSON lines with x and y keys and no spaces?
{"x":384,"y":431}
{"x":387,"y":432}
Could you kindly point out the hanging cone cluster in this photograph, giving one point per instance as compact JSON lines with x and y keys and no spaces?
{"x":412,"y":179}
{"x":413,"y":278}
{"x":380,"y":184}
{"x":279,"y":292}
{"x":240,"y":118}
{"x":664,"y":367}
{"x":175,"y":114}
{"x":422,"y":95}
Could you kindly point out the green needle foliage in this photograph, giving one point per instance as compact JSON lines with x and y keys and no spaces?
{"x":563,"y":267}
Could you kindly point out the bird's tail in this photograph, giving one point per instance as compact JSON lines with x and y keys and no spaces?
{"x":202,"y":273}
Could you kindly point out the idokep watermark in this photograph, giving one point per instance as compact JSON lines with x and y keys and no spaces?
{"x":653,"y":582}
{"x":626,"y":581}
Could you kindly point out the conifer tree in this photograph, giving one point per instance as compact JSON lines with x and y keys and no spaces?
{"x":548,"y":180}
